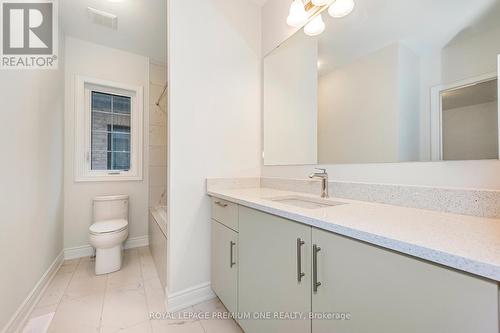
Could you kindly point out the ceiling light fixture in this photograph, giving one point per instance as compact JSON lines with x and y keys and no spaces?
{"x":341,"y":8}
{"x":315,"y":27}
{"x":298,"y":15}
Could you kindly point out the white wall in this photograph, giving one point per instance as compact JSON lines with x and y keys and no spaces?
{"x":350,"y":125}
{"x":470,"y":56}
{"x":214,"y":120}
{"x":430,"y":76}
{"x":408,"y":105}
{"x":84,"y":58}
{"x":479,"y":174}
{"x":381,"y":126}
{"x":291,"y":103}
{"x":471,"y":132}
{"x":31,"y":180}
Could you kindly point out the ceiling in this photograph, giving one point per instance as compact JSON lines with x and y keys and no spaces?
{"x":424,"y":26}
{"x":142,"y":25}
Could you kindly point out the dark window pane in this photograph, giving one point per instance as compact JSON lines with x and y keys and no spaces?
{"x":121,"y":161}
{"x":121,"y":142}
{"x":101,"y":121}
{"x":110,"y":161}
{"x":101,"y":102}
{"x":121,"y":104}
{"x":110,"y":141}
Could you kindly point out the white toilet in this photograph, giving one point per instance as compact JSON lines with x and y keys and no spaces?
{"x":109,"y":231}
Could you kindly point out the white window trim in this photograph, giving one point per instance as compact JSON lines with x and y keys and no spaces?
{"x":83,"y":172}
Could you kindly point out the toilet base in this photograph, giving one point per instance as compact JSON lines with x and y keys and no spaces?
{"x":108,"y":260}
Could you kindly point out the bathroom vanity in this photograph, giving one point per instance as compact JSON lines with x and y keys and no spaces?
{"x":406,"y":90}
{"x":356,"y":266}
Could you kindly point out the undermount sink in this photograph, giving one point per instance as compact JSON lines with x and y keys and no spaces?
{"x":306,"y":202}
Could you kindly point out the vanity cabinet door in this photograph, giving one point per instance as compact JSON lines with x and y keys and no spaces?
{"x":272,"y":250}
{"x":392,"y":293}
{"x":225,"y":265}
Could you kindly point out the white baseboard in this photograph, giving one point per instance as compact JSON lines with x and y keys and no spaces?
{"x":87,"y":250}
{"x":78,"y":252}
{"x":134,"y":242}
{"x":189,"y":297}
{"x":20,"y":317}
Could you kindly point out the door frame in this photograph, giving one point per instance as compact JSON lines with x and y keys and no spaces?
{"x":437,"y":109}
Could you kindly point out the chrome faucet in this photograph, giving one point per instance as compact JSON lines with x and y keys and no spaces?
{"x":323,"y":175}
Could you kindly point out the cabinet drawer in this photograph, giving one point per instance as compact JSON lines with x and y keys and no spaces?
{"x":225,"y":212}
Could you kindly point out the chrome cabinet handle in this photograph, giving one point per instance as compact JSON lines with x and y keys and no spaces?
{"x":231,"y":246}
{"x":300,"y":274}
{"x":221,"y":204}
{"x":316,"y":284}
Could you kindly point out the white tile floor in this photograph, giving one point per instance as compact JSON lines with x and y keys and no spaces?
{"x":79,"y":301}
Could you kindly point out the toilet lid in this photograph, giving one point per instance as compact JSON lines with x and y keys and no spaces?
{"x":108,"y":226}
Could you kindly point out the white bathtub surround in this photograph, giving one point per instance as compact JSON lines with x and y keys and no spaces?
{"x":157,"y":135}
{"x":466,"y":243}
{"x":482,"y":203}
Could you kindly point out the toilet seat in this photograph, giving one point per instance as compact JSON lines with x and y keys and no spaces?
{"x":108,"y":227}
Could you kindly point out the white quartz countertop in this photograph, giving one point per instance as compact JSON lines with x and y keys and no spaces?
{"x":466,"y":243}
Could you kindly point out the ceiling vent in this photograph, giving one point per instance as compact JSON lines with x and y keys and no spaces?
{"x":103,"y":18}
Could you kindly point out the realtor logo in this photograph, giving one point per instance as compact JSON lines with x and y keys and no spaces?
{"x":29,"y":34}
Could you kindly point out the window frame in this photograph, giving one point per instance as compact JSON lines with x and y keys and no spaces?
{"x":83,"y":128}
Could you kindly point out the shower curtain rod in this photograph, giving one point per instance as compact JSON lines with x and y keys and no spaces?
{"x":162,"y":94}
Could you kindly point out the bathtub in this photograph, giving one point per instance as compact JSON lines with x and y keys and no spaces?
{"x":158,"y":240}
{"x":160,"y":216}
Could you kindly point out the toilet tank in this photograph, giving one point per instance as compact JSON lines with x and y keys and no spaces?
{"x":110,"y":208}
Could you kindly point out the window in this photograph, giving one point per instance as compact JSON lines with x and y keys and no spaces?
{"x":110,"y":136}
{"x":109,"y":131}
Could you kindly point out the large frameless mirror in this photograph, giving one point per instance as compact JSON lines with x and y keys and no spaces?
{"x":394,"y":81}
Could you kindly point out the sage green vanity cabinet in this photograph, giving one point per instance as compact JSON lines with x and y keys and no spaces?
{"x":269,"y":271}
{"x":225,"y":265}
{"x":287,"y":267}
{"x":392,"y":293}
{"x":225,"y":252}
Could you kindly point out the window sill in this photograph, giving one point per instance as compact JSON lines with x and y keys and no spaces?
{"x":108,"y":178}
